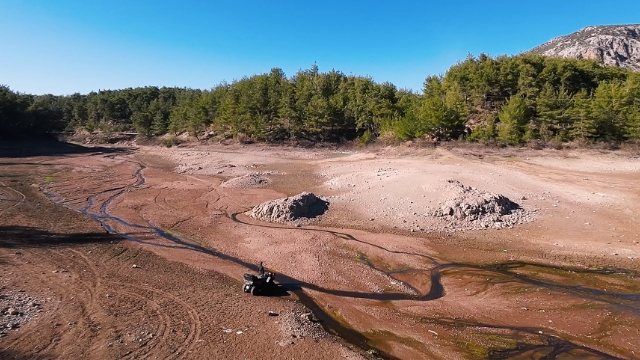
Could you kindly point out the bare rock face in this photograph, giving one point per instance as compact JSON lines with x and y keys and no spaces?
{"x":614,"y":45}
{"x":303,"y":205}
{"x":467,"y":208}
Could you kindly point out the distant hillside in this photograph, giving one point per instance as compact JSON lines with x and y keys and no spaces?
{"x":614,"y":45}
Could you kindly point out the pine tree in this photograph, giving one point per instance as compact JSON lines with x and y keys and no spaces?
{"x":632,"y":105}
{"x":583,"y":126}
{"x":143,"y":122}
{"x":608,"y":109}
{"x":486,"y":132}
{"x":633,"y":124}
{"x":513,"y":119}
{"x":552,"y":106}
{"x":160,"y":123}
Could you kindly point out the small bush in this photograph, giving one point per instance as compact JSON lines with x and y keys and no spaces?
{"x":607,"y":145}
{"x":388,"y":137}
{"x":555,"y":144}
{"x":170,"y":141}
{"x":535,"y":144}
{"x":366,"y":138}
{"x":243,"y":138}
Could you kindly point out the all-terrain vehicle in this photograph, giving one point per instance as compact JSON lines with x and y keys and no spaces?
{"x":259,"y":285}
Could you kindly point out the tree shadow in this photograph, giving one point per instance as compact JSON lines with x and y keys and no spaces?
{"x":18,"y":149}
{"x":15,"y":237}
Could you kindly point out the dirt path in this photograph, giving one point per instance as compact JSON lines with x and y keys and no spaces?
{"x":565,"y":284}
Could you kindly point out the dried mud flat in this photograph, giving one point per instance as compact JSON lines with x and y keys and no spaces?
{"x":392,"y":266}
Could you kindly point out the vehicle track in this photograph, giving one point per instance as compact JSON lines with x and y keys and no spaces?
{"x":9,"y":199}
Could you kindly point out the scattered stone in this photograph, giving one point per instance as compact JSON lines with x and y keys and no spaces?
{"x":135,"y":266}
{"x":273,"y":313}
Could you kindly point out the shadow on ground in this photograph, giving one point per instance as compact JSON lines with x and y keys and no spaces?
{"x":24,"y":237}
{"x":12,"y":355}
{"x":19,"y":149}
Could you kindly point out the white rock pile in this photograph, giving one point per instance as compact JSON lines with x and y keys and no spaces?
{"x":303,"y":205}
{"x":251,"y":180}
{"x":467,"y":208}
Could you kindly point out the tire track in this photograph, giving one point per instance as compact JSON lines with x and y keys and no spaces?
{"x":162,"y":330}
{"x":195,"y":325}
{"x":117,"y":288}
{"x":18,"y":202}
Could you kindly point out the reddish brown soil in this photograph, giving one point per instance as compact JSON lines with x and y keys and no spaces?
{"x":563,"y":286}
{"x":93,"y":304}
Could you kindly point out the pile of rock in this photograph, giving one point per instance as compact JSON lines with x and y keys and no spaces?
{"x":251,"y":180}
{"x":304,"y":205}
{"x":468,"y":209}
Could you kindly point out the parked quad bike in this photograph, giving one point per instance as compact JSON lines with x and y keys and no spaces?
{"x":259,"y":285}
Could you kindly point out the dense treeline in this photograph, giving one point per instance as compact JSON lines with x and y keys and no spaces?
{"x":515,"y":99}
{"x":508,"y":100}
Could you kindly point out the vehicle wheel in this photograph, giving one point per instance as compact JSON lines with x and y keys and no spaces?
{"x":245,"y":288}
{"x":254,"y":291}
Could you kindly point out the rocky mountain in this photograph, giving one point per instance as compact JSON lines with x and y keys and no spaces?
{"x":614,"y":45}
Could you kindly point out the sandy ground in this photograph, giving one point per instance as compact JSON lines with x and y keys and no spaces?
{"x":377,"y":268}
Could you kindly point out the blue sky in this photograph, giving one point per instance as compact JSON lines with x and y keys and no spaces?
{"x":67,"y":46}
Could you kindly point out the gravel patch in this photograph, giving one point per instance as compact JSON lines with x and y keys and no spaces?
{"x":300,"y":325}
{"x":16,"y":309}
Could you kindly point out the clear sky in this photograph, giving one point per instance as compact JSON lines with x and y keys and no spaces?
{"x":67,"y":46}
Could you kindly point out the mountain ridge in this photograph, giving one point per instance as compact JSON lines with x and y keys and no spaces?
{"x":612,"y":45}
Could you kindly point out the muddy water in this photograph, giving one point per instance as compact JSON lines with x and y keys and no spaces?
{"x":524,"y":342}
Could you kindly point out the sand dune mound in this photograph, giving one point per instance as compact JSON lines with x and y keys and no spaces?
{"x":467,"y":207}
{"x":252,"y":180}
{"x":303,"y":205}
